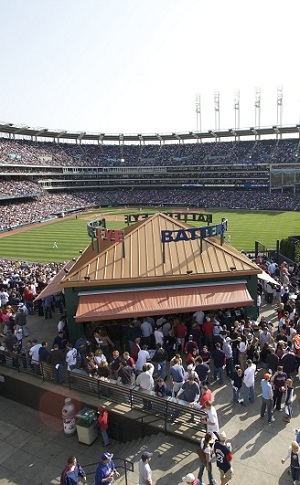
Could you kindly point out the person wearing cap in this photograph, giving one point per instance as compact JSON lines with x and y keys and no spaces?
{"x":190,"y":345}
{"x":249,"y":381}
{"x":223,"y":453}
{"x":191,"y":479}
{"x":72,"y":473}
{"x":106,"y":471}
{"x":145,"y":472}
{"x":267,"y":398}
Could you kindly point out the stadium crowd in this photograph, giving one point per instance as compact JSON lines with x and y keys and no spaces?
{"x":25,"y":152}
{"x":16,"y":212}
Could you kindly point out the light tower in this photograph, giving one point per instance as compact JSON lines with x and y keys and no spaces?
{"x":279,"y":105}
{"x":236,"y":107}
{"x":257,"y":102}
{"x":217,"y":110}
{"x":198,"y":112}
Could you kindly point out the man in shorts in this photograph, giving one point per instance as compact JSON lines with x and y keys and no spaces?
{"x":223,"y":457}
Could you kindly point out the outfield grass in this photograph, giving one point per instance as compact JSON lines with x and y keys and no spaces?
{"x":244,"y":228}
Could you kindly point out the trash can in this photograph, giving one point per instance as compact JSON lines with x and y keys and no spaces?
{"x":86,"y":426}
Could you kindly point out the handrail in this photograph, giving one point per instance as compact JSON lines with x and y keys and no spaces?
{"x":127,"y":465}
{"x":165,"y":409}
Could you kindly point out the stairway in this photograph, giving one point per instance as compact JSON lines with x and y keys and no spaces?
{"x":172,"y":459}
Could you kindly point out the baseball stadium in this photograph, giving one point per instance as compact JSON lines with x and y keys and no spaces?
{"x":149,"y":250}
{"x":90,"y":211}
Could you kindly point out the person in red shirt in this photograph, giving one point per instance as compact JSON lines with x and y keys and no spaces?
{"x":180,"y":331}
{"x":129,"y":360}
{"x":208,"y":332}
{"x":28,"y":298}
{"x":190,"y":345}
{"x":102,"y":419}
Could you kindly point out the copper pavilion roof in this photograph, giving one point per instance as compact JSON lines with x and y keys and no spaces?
{"x":143,"y":260}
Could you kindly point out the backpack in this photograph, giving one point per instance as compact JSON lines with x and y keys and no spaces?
{"x":62,"y":477}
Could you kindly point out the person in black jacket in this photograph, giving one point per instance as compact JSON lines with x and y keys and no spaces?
{"x":237,"y":382}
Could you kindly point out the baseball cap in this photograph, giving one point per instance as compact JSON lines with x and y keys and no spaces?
{"x":222,"y":436}
{"x":106,"y":456}
{"x":249,"y":361}
{"x":146,"y":455}
{"x":189,"y":478}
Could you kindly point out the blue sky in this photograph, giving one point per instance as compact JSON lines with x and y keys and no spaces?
{"x":135,"y":66}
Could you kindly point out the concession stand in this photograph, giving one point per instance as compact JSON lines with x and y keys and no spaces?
{"x":157,"y":265}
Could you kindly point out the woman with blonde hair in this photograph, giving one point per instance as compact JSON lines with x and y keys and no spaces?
{"x":288,"y":401}
{"x":294,"y":455}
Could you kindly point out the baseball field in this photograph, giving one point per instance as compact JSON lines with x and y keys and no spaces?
{"x":36,"y":242}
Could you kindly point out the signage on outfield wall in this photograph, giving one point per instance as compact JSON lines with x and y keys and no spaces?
{"x":180,"y":216}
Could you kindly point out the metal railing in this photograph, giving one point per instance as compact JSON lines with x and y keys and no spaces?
{"x":153,"y":409}
{"x":120,"y":463}
{"x":166,"y":410}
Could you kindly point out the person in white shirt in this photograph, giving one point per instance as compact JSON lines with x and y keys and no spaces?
{"x":146,"y":382}
{"x":34,"y":354}
{"x":199,"y":316}
{"x":145,"y":379}
{"x":143,"y":357}
{"x":145,"y":472}
{"x":159,"y":336}
{"x":71,"y":356}
{"x":3,"y":297}
{"x":147,"y":331}
{"x":249,"y":381}
{"x":211,"y":418}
